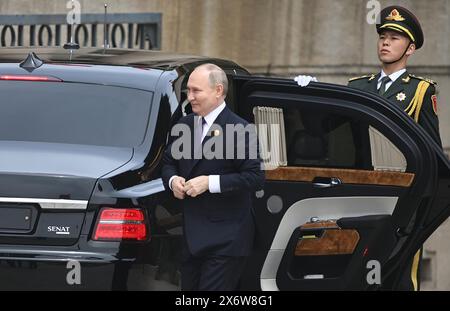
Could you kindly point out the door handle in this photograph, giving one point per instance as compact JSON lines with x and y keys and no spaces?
{"x":326,"y":182}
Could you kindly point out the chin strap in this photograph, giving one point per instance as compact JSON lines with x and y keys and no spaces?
{"x":390,"y":63}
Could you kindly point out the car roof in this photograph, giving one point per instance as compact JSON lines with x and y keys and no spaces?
{"x":115,"y":67}
{"x":118,"y":57}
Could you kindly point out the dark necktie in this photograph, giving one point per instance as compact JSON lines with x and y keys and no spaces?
{"x":382,"y":88}
{"x":198,"y":133}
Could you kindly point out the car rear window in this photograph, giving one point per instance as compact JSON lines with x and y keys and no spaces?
{"x":73,"y":113}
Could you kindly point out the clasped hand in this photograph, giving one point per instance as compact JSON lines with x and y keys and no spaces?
{"x":192,"y":188}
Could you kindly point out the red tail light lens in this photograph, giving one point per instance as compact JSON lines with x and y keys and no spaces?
{"x":29,"y":78}
{"x":121,"y":224}
{"x":122,"y":214}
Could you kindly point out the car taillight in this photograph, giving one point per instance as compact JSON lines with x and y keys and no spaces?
{"x":29,"y":78}
{"x":121,"y":224}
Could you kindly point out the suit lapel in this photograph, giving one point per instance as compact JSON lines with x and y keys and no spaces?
{"x":221,"y":121}
{"x":373,"y":82}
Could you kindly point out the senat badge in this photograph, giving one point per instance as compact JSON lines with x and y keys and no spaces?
{"x":435,"y":104}
{"x":401,"y":96}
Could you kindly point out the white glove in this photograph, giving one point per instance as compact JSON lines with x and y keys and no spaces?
{"x":305,"y":80}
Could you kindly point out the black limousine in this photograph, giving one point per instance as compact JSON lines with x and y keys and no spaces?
{"x":351,"y":181}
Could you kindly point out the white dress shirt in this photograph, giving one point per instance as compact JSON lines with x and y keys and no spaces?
{"x":213,"y":180}
{"x":394,"y":76}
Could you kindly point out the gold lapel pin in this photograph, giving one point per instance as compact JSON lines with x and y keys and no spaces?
{"x":216,"y":133}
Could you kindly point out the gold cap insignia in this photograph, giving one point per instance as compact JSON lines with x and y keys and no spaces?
{"x":395,"y":16}
{"x":401,"y":96}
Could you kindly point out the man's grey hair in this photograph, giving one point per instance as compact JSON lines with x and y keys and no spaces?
{"x":216,"y":76}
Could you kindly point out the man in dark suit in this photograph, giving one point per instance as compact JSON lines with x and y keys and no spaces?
{"x":215,"y":193}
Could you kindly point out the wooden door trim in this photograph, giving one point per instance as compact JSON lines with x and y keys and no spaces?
{"x":347,"y":176}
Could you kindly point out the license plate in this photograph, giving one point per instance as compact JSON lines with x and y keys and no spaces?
{"x":16,"y":218}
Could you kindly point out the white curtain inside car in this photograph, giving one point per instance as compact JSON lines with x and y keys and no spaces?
{"x":385,"y":155}
{"x":272,"y":137}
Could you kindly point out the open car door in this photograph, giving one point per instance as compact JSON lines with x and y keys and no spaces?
{"x":353,"y":187}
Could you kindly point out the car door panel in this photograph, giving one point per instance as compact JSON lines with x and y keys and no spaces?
{"x":328,"y":208}
{"x":382,"y":206}
{"x":338,"y":262}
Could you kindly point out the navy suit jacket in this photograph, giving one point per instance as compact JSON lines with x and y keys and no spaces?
{"x":218,"y":223}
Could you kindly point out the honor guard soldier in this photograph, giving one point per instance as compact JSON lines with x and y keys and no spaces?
{"x":400,"y":35}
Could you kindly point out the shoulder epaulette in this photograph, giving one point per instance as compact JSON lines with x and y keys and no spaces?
{"x":424,"y":79}
{"x":362,"y":77}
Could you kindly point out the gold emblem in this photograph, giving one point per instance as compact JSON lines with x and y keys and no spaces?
{"x":401,"y":96}
{"x":216,"y":133}
{"x":395,"y":16}
{"x":372,"y":77}
{"x":406,"y":80}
